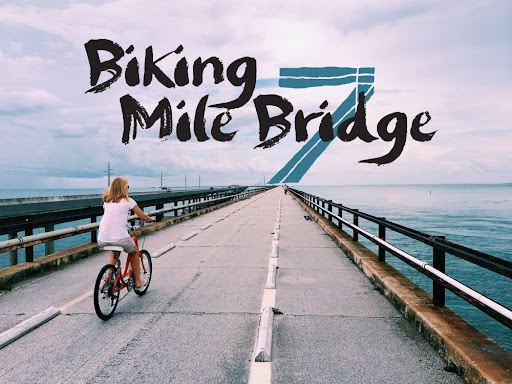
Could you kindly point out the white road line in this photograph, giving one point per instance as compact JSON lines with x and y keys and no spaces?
{"x":75,"y":301}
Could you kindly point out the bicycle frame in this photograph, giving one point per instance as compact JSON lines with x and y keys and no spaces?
{"x":112,"y":278}
{"x":119,"y":287}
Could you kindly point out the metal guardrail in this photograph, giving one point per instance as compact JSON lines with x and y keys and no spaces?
{"x":31,"y":240}
{"x":440,"y":246}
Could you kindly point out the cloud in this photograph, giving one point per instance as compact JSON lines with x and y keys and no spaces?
{"x":16,"y":46}
{"x":451,"y":59}
{"x":21,"y":102}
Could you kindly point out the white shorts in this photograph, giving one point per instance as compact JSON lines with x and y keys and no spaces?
{"x":127,"y":243}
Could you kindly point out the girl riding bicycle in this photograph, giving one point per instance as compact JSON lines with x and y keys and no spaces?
{"x":112,"y":231}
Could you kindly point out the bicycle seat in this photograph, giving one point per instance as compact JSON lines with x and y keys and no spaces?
{"x":113,"y":248}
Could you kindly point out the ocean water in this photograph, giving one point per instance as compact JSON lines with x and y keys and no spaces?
{"x":476,"y":216}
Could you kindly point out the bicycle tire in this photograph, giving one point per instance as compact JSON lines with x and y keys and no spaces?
{"x":147,"y":265}
{"x":105,"y":298}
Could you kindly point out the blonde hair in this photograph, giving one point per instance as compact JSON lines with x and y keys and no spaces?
{"x":118,"y":190}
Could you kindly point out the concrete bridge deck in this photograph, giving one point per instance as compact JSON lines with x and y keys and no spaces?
{"x":199,"y":320}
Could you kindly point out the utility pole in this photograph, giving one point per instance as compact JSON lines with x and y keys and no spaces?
{"x":185,"y":181}
{"x":161,"y":181}
{"x":199,"y":181}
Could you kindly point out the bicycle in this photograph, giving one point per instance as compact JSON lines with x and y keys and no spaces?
{"x":111,"y":279}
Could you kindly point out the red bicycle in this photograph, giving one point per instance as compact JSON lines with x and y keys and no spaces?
{"x":111,"y":280}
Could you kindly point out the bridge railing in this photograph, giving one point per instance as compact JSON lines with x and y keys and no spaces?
{"x":29,"y":240}
{"x":440,"y":246}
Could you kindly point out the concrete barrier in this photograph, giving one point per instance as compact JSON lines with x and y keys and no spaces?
{"x":263,"y":349}
{"x":27,"y":326}
{"x":275,"y":249}
{"x":271,"y":277}
{"x":163,"y":250}
{"x":189,"y":236}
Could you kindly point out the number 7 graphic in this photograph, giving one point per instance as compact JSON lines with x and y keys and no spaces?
{"x":306,"y":77}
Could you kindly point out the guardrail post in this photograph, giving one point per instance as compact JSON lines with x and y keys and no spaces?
{"x":175,"y":212}
{"x":29,"y":251}
{"x":382,"y":236}
{"x":340,"y":214}
{"x":12,"y":255}
{"x":438,"y":291}
{"x":94,"y":234}
{"x":49,"y":247}
{"x":329,"y":207}
{"x":159,"y":216}
{"x":355,"y":235}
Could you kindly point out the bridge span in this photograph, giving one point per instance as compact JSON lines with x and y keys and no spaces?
{"x":203,"y":318}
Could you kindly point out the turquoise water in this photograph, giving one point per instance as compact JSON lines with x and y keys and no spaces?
{"x":476,"y":216}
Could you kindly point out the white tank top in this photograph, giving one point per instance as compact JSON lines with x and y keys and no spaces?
{"x":114,"y":220}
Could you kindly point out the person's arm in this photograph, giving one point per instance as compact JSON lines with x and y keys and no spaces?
{"x":142,"y":215}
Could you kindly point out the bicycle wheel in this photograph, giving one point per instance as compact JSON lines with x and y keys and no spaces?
{"x":146,"y":268}
{"x":105,"y":297}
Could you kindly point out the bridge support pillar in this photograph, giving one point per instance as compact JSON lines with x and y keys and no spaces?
{"x":438,"y":291}
{"x":29,"y":251}
{"x":94,"y":233}
{"x":12,"y":255}
{"x":49,"y":246}
{"x":160,"y":216}
{"x":355,"y":235}
{"x":382,"y":236}
{"x":329,"y":208}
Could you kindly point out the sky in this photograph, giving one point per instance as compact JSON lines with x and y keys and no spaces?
{"x":450,"y":58}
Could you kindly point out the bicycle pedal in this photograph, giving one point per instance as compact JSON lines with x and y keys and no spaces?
{"x":130,"y":284}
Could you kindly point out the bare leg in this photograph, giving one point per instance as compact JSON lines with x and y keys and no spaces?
{"x":111,"y":259}
{"x":134,"y":261}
